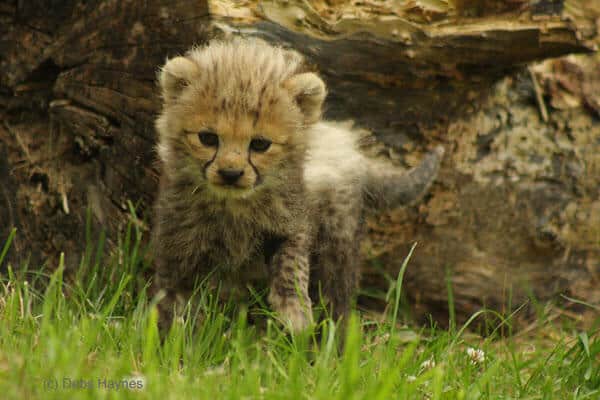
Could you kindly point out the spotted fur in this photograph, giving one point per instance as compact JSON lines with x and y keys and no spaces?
{"x":294,"y":216}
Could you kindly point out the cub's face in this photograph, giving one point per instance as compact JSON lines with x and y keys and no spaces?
{"x":237,"y":154}
{"x":231,"y":130}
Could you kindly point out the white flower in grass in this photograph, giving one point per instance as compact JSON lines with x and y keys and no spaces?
{"x":217,"y":370}
{"x":477,"y":356}
{"x":428,"y":364}
{"x":116,"y":324}
{"x":411,"y":378}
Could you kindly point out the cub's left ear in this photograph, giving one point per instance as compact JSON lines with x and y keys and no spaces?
{"x":175,"y":75}
{"x":308,"y":91}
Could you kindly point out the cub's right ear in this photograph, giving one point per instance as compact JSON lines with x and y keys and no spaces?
{"x":175,"y":75}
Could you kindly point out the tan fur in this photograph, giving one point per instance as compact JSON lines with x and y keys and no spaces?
{"x":294,"y":216}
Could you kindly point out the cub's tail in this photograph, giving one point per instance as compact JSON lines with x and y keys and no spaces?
{"x":388,"y":187}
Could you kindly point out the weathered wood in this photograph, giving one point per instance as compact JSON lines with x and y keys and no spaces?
{"x":516,"y":202}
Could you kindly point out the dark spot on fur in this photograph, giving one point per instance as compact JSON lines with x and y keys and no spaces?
{"x":223,"y":104}
{"x":259,"y":105}
{"x":284,"y":291}
{"x":256,"y":117}
{"x":271,"y":245}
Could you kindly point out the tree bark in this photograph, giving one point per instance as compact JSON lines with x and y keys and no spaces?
{"x":515,"y":211}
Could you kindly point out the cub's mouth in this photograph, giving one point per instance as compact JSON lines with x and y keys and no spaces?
{"x":225,"y":190}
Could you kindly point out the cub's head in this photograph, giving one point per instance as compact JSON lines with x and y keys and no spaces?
{"x":234,"y":116}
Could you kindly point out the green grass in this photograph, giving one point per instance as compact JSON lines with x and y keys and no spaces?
{"x":80,"y":335}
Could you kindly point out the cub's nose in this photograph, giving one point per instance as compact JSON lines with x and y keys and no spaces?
{"x":230,"y":176}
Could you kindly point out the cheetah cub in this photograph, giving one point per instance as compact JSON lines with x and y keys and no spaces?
{"x":255,"y":187}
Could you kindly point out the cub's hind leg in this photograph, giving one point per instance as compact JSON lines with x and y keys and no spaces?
{"x":180,"y":291}
{"x":335,"y":274}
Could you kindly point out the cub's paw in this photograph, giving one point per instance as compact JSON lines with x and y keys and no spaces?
{"x":295,"y":313}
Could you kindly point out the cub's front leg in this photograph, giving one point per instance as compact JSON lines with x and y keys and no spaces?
{"x":177,"y":274}
{"x":173,"y":297}
{"x":288,"y":294}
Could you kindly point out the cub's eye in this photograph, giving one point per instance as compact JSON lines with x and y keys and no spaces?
{"x":208,"y":138}
{"x":260,"y":145}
